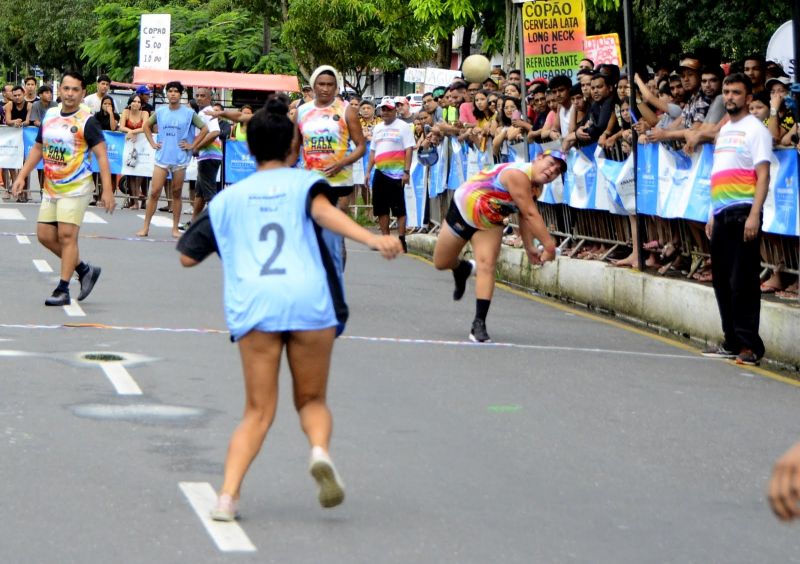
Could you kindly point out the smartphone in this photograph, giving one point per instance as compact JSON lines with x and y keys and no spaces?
{"x":426,"y":128}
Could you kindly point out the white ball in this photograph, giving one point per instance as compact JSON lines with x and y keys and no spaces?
{"x":476,"y":68}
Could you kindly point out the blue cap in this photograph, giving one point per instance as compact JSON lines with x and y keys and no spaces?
{"x":143,"y":90}
{"x":558,"y":155}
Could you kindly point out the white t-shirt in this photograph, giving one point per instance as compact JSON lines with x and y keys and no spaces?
{"x":95,"y":103}
{"x":740,"y":146}
{"x":214,"y":149}
{"x":564,"y":115}
{"x":389,"y":143}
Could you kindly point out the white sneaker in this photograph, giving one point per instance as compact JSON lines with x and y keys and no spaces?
{"x":331,"y":488}
{"x":227,"y":509}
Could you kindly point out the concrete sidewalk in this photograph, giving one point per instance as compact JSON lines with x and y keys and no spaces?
{"x":679,"y":306}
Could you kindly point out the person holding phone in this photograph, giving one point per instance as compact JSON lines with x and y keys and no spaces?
{"x":511,"y":128}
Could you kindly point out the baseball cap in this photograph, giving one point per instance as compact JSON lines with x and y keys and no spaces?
{"x":558,"y":155}
{"x":143,"y":90}
{"x":306,"y":87}
{"x":690,"y":63}
{"x":782,"y":79}
{"x":400,"y":100}
{"x":439,"y":91}
{"x":429,"y":156}
{"x":387,"y":102}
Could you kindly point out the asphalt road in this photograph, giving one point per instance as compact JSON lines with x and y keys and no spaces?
{"x":571,"y":439}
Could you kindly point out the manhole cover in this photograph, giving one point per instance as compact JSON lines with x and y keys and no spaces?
{"x":103,"y":357}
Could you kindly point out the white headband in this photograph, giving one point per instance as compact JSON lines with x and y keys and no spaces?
{"x":322,"y":68}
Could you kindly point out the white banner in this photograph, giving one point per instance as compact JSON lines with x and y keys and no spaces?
{"x":11,"y":147}
{"x":138,"y":158}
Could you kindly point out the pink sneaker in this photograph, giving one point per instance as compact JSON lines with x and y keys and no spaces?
{"x":227,"y":508}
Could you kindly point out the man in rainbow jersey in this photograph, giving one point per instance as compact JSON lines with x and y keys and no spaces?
{"x":739,"y":186}
{"x":66,"y":137}
{"x":390,"y":153}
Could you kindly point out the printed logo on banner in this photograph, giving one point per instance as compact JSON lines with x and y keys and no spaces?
{"x":647,"y":179}
{"x":115,"y":148}
{"x":239,"y":163}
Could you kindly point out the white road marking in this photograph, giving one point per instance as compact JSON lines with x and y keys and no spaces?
{"x":229,"y":537}
{"x":23,"y":240}
{"x":119,"y":377}
{"x":91,"y":217}
{"x":159,"y":221}
{"x":12,"y":214}
{"x":74,"y":310}
{"x":41,"y":265}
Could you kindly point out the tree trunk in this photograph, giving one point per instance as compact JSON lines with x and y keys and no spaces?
{"x":267,"y":46}
{"x":445,"y":52}
{"x":466,"y":43}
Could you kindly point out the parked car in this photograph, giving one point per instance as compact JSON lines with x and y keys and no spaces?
{"x":414,"y":102}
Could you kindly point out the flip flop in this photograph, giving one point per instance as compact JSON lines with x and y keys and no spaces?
{"x":769,"y":289}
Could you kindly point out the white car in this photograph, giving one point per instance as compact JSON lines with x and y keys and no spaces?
{"x":414,"y":102}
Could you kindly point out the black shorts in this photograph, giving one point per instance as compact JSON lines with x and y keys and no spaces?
{"x":458,"y":224}
{"x":206,"y":185}
{"x":388,"y":194}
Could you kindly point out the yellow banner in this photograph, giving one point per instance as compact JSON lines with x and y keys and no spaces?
{"x":553,"y":32}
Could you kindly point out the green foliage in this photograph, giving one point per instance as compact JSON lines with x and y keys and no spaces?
{"x":354,"y":36}
{"x":441,"y":17}
{"x":47,"y":33}
{"x":213,"y":35}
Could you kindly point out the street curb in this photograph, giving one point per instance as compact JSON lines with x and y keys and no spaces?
{"x":682,"y":307}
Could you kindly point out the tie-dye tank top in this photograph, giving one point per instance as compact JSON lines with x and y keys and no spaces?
{"x":483,"y":201}
{"x":67,"y":160}
{"x":326,"y":139}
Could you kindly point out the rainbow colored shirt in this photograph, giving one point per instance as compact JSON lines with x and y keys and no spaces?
{"x":389,"y":143}
{"x":212,"y":151}
{"x":483,"y":201}
{"x":66,"y":144}
{"x":326,"y":139}
{"x":739,"y":148}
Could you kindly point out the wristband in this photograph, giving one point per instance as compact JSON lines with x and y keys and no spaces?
{"x":773,"y":112}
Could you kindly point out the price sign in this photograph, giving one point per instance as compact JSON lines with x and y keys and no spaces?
{"x":154,"y":41}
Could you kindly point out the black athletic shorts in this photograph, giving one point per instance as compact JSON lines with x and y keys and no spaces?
{"x":388,"y":194}
{"x":206,"y":185}
{"x":337,"y":192}
{"x":458,"y":224}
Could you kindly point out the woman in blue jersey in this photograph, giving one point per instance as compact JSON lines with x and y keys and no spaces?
{"x":281,"y":291}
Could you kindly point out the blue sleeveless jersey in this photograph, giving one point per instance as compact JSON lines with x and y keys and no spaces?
{"x":174,"y":126}
{"x":278,"y":275}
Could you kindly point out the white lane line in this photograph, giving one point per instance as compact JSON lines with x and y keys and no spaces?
{"x":41,"y":265}
{"x":12,"y":214}
{"x":23,"y":240}
{"x":74,"y":310}
{"x":119,"y":377}
{"x":229,"y":537}
{"x":466,"y":343}
{"x":159,"y":220}
{"x":91,"y":217}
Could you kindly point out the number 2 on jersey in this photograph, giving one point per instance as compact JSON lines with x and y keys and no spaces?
{"x":267,"y":269}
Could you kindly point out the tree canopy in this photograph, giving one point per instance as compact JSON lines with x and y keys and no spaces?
{"x":356,"y":36}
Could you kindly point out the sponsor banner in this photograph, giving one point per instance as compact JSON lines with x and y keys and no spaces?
{"x":239,"y":163}
{"x":415,"y":194}
{"x":12,"y":147}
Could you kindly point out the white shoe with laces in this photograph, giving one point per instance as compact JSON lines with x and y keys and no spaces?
{"x":331,"y":488}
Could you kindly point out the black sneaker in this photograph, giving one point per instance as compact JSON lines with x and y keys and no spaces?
{"x":748,"y":357}
{"x":165,"y":209}
{"x":478,"y":333}
{"x":405,"y":247}
{"x":87,"y":281}
{"x":461,"y":281}
{"x":184,"y":226}
{"x":718,"y":351}
{"x":58,"y":298}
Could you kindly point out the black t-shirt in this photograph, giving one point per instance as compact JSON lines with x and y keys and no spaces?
{"x":92,"y":131}
{"x":105,"y":120}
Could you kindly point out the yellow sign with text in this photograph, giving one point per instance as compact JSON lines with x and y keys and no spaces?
{"x":552,"y":36}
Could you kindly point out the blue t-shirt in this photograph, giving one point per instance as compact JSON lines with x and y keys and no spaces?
{"x":278,"y":274}
{"x":174,"y":126}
